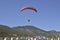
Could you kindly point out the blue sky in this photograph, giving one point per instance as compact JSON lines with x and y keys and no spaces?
{"x":47,"y":17}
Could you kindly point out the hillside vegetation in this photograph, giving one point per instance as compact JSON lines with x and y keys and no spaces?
{"x":26,"y":31}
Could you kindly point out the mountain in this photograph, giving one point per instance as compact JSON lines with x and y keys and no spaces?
{"x":6,"y":31}
{"x":54,"y":33}
{"x":30,"y":31}
{"x":26,"y":31}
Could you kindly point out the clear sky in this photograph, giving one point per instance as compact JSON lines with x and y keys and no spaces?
{"x":47,"y":17}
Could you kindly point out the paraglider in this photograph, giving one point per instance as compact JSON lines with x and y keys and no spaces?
{"x":28,"y":8}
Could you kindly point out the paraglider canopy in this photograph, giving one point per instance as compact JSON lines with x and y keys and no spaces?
{"x":28,"y":8}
